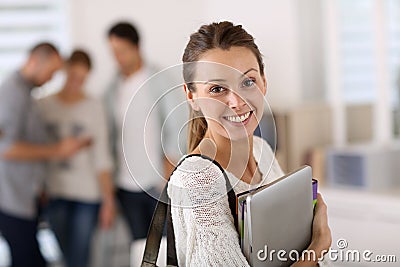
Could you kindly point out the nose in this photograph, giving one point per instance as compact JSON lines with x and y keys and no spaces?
{"x":235,"y":101}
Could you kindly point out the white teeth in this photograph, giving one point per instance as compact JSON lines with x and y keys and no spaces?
{"x":238,"y":118}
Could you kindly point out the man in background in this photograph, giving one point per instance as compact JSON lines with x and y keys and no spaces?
{"x":136,"y":192}
{"x":23,"y":152}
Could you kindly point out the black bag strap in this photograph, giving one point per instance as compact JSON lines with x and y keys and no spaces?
{"x":155,"y":231}
{"x":162,"y":214}
{"x":172,"y":258}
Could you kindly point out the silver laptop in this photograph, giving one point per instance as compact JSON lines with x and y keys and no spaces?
{"x":276,"y":219}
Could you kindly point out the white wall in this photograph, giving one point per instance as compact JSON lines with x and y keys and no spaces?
{"x":312,"y":61}
{"x":165,"y":27}
{"x":274,"y":26}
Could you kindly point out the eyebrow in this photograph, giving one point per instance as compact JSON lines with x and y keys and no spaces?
{"x":249,"y":71}
{"x":214,"y":81}
{"x":223,"y":80}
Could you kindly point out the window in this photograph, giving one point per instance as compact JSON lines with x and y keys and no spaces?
{"x":356,"y":50}
{"x":393,"y":10}
{"x":366,"y":29}
{"x":363,"y":61}
{"x":24,"y":23}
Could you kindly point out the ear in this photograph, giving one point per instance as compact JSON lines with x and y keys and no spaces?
{"x":190,"y":98}
{"x":264,"y":88}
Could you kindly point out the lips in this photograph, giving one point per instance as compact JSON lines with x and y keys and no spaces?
{"x":241,"y":118}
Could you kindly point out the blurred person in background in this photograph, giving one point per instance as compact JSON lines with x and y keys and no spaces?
{"x":24,"y":149}
{"x":135,"y":195}
{"x":80,"y":189}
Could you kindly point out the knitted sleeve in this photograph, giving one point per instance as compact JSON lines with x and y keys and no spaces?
{"x":205,"y":221}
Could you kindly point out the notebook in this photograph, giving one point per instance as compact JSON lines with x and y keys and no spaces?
{"x":275,"y":220}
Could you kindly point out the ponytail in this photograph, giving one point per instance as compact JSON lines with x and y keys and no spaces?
{"x":197,"y":129}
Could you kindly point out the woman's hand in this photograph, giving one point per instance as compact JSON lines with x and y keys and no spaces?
{"x":107,"y":214}
{"x":321,"y":235}
{"x":71,"y":145}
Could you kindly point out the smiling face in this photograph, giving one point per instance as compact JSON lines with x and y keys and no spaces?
{"x":229,"y":91}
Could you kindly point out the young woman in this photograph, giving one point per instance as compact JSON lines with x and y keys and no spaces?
{"x":227,"y":100}
{"x":80,"y":189}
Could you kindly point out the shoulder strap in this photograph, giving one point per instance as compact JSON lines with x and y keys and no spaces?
{"x":155,"y":231}
{"x":172,"y":258}
{"x":162,"y":214}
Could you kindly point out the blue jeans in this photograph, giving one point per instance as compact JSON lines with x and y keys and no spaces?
{"x":137,"y":208}
{"x":73,"y":223}
{"x":20,"y":235}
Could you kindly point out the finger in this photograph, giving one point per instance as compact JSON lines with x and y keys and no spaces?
{"x":321,"y":205}
{"x":104,"y":222}
{"x":107,"y":222}
{"x":320,"y":198}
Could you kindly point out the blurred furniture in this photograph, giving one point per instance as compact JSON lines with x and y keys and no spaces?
{"x":365,"y":166}
{"x":300,"y":130}
{"x":303,"y":133}
{"x":359,"y":123}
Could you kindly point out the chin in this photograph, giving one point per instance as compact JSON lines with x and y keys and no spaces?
{"x":237,"y":134}
{"x":38,"y":84}
{"x":241,"y":136}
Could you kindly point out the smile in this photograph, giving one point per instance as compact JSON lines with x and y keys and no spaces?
{"x":240,"y":118}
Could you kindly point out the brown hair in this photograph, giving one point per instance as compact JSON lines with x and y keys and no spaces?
{"x":80,"y":57}
{"x":223,"y":35}
{"x":44,"y":48}
{"x":125,"y":30}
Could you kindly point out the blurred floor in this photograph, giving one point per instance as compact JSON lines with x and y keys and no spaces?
{"x":366,"y":220}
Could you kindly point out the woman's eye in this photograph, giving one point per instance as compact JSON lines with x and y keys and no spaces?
{"x":249,"y":82}
{"x":217,"y":89}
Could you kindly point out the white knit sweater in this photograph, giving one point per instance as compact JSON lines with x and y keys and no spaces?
{"x":205,"y":234}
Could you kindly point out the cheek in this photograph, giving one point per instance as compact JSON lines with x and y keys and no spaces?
{"x":213,"y":111}
{"x":258,"y":104}
{"x":211,"y":108}
{"x":75,"y":81}
{"x":129,"y":57}
{"x":120,"y":59}
{"x":120,"y":56}
{"x":45,"y":76}
{"x":255,"y":98}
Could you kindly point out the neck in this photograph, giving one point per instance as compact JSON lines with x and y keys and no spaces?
{"x":69,"y":97}
{"x":234,"y":155}
{"x":136,"y":66}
